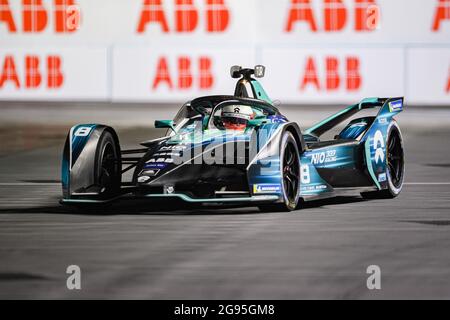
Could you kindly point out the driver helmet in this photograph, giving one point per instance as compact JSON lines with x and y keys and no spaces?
{"x":236,"y":117}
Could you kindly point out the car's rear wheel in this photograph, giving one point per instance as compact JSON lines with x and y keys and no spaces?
{"x":290,"y":172}
{"x":395,"y":166}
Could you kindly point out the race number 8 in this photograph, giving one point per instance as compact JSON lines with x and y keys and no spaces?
{"x":304,"y":174}
{"x":82,"y":131}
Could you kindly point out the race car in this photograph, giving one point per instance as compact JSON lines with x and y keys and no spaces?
{"x":240,"y":149}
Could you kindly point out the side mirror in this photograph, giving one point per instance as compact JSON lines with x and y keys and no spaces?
{"x":168,"y":124}
{"x":235,"y":72}
{"x":260,"y":71}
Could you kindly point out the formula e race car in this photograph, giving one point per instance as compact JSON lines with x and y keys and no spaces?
{"x":240,"y":149}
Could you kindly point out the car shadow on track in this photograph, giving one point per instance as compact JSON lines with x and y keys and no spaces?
{"x":143,"y":207}
{"x":330,"y":202}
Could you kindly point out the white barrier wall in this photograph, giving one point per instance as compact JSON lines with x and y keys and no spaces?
{"x":328,"y":75}
{"x":171,"y":73}
{"x":54,"y":73}
{"x":316,"y":51}
{"x":428,"y":76}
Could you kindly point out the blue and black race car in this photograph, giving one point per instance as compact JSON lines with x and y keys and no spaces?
{"x":240,"y":149}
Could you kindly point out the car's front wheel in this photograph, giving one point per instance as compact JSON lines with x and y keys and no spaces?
{"x":290,"y":172}
{"x":108,"y":168}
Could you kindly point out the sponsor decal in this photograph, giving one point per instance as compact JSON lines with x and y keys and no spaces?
{"x":185,"y":136}
{"x":186,"y":78}
{"x":169,"y":189}
{"x":266,"y":188}
{"x":323,"y":157}
{"x":359,"y":124}
{"x":349,"y":81}
{"x":336,"y":16}
{"x":187,"y":16}
{"x":143,"y":179}
{"x":39,"y":72}
{"x":155,"y":165}
{"x":382,"y":177}
{"x":442,"y":14}
{"x":382,"y":120}
{"x":174,"y":148}
{"x":378,"y":145}
{"x":311,"y":188}
{"x":161,"y":160}
{"x":396,"y":106}
{"x":170,"y":154}
{"x":36,"y":16}
{"x":277,"y":119}
{"x":305,"y":176}
{"x":151,"y":173}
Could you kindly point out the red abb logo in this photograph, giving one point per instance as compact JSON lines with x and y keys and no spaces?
{"x":442,"y":14}
{"x":351,"y":81}
{"x":186,"y":16}
{"x":33,"y":76}
{"x":335,"y":15}
{"x":35,"y":16}
{"x":185,"y":78}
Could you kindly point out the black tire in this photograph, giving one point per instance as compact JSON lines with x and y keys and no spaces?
{"x":395,"y":161}
{"x":108,"y":166}
{"x":290,"y":171}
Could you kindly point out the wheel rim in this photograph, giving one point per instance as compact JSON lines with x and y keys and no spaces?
{"x":291,"y":173}
{"x":395,"y":159}
{"x":107,"y":169}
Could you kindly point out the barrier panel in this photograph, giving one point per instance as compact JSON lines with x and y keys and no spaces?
{"x":316,"y":51}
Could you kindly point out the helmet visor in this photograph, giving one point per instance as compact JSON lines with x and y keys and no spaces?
{"x":236,"y":121}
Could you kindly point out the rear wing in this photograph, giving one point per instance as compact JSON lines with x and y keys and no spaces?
{"x":388,"y":108}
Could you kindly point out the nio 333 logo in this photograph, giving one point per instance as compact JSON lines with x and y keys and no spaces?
{"x":378,"y":145}
{"x":323,"y":157}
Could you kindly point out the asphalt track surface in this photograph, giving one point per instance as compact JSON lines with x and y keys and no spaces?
{"x":162,"y":251}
